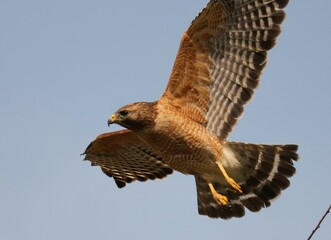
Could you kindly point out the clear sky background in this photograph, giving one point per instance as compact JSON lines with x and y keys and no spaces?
{"x":66,"y":65}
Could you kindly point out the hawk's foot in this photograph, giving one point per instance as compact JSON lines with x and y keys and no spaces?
{"x":234,"y":184}
{"x":219,"y":198}
{"x":229,"y":180}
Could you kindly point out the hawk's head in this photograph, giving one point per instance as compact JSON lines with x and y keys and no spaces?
{"x":136,"y":116}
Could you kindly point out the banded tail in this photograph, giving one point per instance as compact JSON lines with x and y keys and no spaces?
{"x":262,"y":171}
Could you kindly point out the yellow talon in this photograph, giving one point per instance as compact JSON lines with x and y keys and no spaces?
{"x":234,"y":185}
{"x":229,"y":180}
{"x":219,"y":198}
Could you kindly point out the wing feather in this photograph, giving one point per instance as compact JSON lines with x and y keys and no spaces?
{"x":123,"y":156}
{"x":220,"y":60}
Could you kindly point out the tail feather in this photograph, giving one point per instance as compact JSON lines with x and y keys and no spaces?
{"x":262,"y":173}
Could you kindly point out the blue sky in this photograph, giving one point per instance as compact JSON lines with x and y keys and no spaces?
{"x":66,"y":65}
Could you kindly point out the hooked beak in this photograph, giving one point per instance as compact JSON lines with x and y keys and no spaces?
{"x":112,"y":119}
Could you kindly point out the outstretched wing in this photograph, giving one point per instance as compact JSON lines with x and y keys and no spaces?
{"x":123,"y":156}
{"x":221,"y":58}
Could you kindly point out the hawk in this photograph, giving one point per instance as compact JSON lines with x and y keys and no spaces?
{"x":219,"y":63}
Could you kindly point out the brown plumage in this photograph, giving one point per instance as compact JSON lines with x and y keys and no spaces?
{"x":218,"y":66}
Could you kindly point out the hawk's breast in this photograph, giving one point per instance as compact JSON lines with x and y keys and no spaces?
{"x":185,"y":145}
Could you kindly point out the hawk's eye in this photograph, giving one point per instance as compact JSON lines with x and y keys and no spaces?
{"x":123,"y":113}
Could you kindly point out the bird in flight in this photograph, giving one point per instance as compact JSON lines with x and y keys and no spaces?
{"x":218,"y":65}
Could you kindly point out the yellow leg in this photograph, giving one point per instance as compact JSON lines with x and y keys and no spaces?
{"x":223,"y":200}
{"x":229,"y":180}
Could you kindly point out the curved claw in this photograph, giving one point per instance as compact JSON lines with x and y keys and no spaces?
{"x":219,"y":198}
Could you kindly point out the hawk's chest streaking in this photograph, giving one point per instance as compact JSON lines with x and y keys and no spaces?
{"x":184,"y":144}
